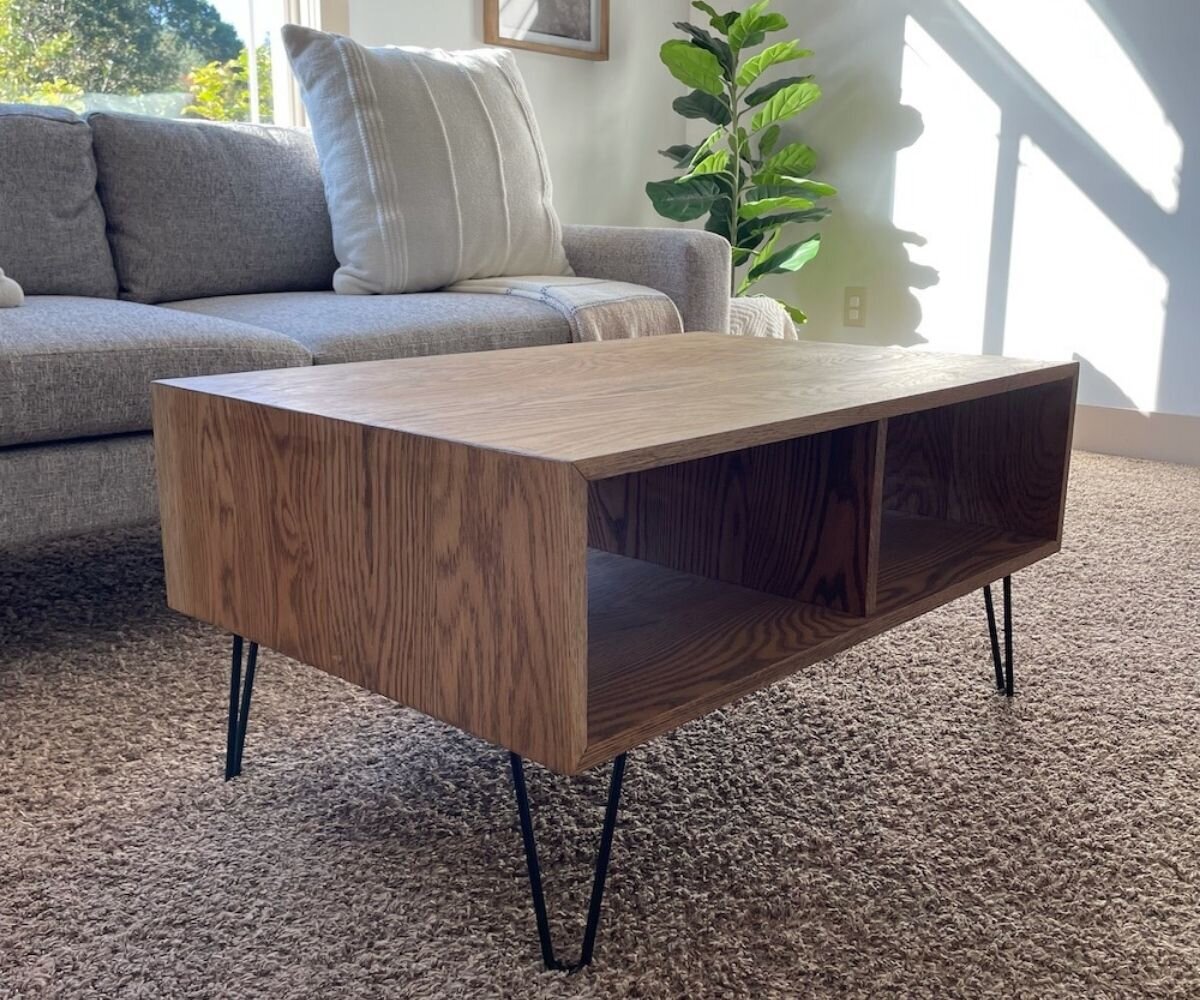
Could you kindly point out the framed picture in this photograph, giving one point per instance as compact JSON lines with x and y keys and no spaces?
{"x":577,"y":28}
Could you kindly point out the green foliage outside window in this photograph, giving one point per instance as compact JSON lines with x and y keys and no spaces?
{"x":158,"y":56}
{"x":220,"y":91}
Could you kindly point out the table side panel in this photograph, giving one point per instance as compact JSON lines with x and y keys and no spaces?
{"x":795,"y":518}
{"x":447,"y":578}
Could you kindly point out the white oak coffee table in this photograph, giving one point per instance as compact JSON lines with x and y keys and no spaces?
{"x":571,"y":550}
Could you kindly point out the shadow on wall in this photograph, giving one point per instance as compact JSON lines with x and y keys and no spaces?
{"x":1056,"y":183}
{"x":1043,"y":198}
{"x":1104,"y":391}
{"x":857,"y":128}
{"x":1097,"y":199}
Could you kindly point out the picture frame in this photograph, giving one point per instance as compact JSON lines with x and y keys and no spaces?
{"x":574,"y":28}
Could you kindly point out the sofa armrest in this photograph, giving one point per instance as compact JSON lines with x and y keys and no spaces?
{"x":690,"y":266}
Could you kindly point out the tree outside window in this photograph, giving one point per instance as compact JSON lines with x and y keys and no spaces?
{"x":174,"y":58}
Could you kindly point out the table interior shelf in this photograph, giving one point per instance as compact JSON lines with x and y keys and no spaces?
{"x":666,"y":647}
{"x":711,"y":578}
{"x":925,"y":561}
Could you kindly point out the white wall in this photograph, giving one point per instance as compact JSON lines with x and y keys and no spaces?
{"x":1012,"y":181}
{"x":601,"y":122}
{"x":1017,"y":178}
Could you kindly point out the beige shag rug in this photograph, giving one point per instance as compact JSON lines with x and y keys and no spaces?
{"x":881,"y":825}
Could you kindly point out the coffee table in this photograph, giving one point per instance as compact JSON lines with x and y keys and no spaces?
{"x":571,"y":550}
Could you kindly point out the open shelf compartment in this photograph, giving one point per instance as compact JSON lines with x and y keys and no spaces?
{"x":710,"y":579}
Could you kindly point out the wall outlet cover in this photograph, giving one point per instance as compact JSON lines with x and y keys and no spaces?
{"x":854,"y":306}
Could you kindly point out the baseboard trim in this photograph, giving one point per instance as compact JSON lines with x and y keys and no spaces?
{"x":1164,"y":437}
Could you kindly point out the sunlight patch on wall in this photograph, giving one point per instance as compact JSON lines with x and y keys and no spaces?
{"x":944,"y":192}
{"x":1066,"y":47}
{"x":1079,"y":287}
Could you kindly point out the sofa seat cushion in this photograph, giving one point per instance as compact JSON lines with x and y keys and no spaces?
{"x":79,"y":367}
{"x":339,"y":328}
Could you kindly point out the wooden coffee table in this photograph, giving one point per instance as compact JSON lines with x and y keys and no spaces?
{"x":571,"y":550}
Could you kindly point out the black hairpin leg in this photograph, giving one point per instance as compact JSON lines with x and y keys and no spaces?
{"x":535,"y":869}
{"x":239,"y":706}
{"x":1004,"y":669}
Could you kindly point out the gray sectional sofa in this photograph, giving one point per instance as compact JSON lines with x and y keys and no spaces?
{"x":153,"y":249}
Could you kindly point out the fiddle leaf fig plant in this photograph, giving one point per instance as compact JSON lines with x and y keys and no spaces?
{"x":750,"y":187}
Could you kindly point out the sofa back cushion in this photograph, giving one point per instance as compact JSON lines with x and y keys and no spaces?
{"x":197,"y":209}
{"x":51,"y":223}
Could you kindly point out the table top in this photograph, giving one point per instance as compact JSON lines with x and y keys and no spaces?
{"x":621,"y":406}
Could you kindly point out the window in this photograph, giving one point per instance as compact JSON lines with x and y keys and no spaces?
{"x":213,"y":59}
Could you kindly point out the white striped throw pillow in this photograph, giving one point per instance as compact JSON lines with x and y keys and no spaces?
{"x":433,"y":166}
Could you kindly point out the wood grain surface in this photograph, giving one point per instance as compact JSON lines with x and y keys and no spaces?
{"x":999,"y":460}
{"x":794,"y":518}
{"x":666,"y":647}
{"x":624,"y":405}
{"x":450,"y":579}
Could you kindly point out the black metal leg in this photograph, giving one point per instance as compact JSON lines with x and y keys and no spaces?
{"x":235,"y":690}
{"x":244,"y":717}
{"x":1008,"y":637}
{"x":535,"y":868}
{"x":1004,"y":667}
{"x":239,"y":706}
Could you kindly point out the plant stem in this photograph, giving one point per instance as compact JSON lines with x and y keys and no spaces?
{"x":735,"y":196}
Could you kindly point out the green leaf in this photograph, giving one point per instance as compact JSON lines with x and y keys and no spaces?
{"x":760,"y":191}
{"x":750,"y":231}
{"x":707,"y":145}
{"x":716,"y":46}
{"x":747,"y":24}
{"x":680,"y":155}
{"x":717,"y":163}
{"x":718,"y":219}
{"x":769,"y":90}
{"x":788,"y":259}
{"x":692,"y":66}
{"x":761,"y":206}
{"x":762,"y":254}
{"x":698,"y":104}
{"x":766,"y":141}
{"x":772,"y":55}
{"x":786,"y":104}
{"x":747,"y":246}
{"x":713,"y":138}
{"x":795,"y":159}
{"x":772,"y":22}
{"x":719,"y":21}
{"x":770,"y":247}
{"x":815,"y":189}
{"x":796,"y":314}
{"x":683,"y":199}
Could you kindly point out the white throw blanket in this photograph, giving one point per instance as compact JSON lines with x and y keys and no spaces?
{"x":10,"y":292}
{"x":593,"y":308}
{"x":760,"y":316}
